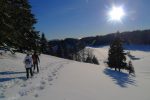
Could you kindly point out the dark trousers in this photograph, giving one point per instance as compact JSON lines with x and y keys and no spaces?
{"x":29,"y":70}
{"x":35,"y":65}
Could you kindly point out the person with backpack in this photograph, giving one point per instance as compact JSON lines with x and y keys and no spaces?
{"x":28,"y":65}
{"x":36,"y":60}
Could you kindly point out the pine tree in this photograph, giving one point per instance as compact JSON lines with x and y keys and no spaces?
{"x":32,"y":40}
{"x":5,"y":20}
{"x":89,"y":59}
{"x":16,"y":23}
{"x":95,"y":60}
{"x":116,"y":55}
{"x":60,"y":51}
{"x":23,"y":21}
{"x":89,"y":55}
{"x":43,"y":44}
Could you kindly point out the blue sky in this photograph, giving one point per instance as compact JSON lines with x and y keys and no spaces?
{"x":60,"y":19}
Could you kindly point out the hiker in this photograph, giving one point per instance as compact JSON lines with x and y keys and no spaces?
{"x":28,"y":65}
{"x":35,"y":59}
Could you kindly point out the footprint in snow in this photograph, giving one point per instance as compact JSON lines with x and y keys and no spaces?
{"x":50,"y":79}
{"x":49,"y":76}
{"x":50,"y":84}
{"x":53,"y":73}
{"x":43,"y":82}
{"x":22,"y":92}
{"x":36,"y":95}
{"x":2,"y":95}
{"x":59,"y":68}
{"x":41,"y":87}
{"x":23,"y":85}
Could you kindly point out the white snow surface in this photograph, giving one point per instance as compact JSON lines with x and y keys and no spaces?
{"x":61,"y":79}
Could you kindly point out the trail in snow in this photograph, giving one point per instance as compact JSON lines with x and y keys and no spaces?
{"x":13,"y":84}
{"x":39,"y":82}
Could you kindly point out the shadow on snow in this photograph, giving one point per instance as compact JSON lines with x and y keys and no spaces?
{"x":120,"y":78}
{"x":11,"y":73}
{"x":9,"y":79}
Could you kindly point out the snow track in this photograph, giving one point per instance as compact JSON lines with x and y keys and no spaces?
{"x":40,"y":81}
{"x":14,"y":88}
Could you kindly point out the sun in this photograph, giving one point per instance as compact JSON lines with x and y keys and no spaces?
{"x":116,"y":14}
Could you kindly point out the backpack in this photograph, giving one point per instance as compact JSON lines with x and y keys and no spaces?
{"x":27,"y":61}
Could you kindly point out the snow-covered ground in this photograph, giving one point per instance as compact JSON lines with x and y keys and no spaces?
{"x":61,"y":79}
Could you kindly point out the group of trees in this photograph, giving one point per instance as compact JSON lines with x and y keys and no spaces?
{"x":16,"y":25}
{"x":117,"y":58}
{"x":64,"y":48}
{"x":70,"y":48}
{"x":86,"y":55}
{"x":116,"y":55}
{"x":74,"y":49}
{"x":89,"y":57}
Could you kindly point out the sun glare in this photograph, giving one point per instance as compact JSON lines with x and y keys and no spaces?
{"x":116,"y":13}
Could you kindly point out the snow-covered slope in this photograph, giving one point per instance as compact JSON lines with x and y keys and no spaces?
{"x":61,"y":79}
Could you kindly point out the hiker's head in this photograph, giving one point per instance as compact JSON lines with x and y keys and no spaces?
{"x":27,"y":54}
{"x":35,"y":52}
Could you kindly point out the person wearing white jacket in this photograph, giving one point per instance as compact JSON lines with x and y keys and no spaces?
{"x":28,"y":65}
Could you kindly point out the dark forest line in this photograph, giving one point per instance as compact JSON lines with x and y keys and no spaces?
{"x":71,"y":48}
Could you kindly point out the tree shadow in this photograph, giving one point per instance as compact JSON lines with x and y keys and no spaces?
{"x":9,"y":79}
{"x":120,"y":78}
{"x":10,"y":72}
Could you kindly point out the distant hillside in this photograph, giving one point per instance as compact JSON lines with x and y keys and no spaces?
{"x":134,"y":37}
{"x":69,"y":47}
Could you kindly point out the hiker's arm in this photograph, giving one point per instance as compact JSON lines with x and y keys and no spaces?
{"x":38,"y":58}
{"x":24,"y":60}
{"x":31,"y":60}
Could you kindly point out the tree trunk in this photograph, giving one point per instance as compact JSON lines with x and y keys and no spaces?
{"x":115,"y":69}
{"x":119,"y":69}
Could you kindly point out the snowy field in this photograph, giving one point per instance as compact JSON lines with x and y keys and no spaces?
{"x":61,"y":79}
